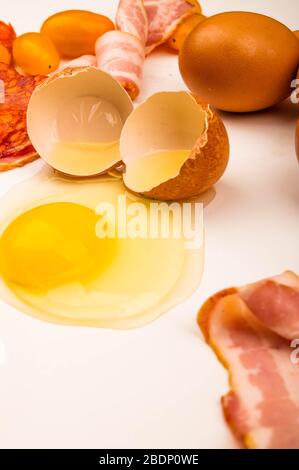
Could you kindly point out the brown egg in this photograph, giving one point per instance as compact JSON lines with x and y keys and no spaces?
{"x":240,"y":61}
{"x":297,"y":139}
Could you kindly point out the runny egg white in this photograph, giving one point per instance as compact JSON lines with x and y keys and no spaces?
{"x":55,"y":266}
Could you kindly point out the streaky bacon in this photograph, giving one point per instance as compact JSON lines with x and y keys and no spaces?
{"x":142,"y":26}
{"x":83,"y":61}
{"x":122,"y":56}
{"x":163,"y":19}
{"x":131,"y":18}
{"x":262,"y":407}
{"x":275,"y":302}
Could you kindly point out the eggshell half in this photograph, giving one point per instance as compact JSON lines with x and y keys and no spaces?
{"x":54,"y":96}
{"x":172,"y":121}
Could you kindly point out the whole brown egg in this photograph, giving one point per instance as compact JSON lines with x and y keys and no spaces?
{"x":240,"y":61}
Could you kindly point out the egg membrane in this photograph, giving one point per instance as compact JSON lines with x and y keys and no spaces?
{"x":151,"y":166}
{"x":55,"y":266}
{"x":83,"y":111}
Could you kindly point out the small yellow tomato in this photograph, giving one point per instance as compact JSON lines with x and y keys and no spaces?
{"x":5,"y":56}
{"x":35,"y":54}
{"x":195,"y":3}
{"x":177,"y":39}
{"x":74,"y":32}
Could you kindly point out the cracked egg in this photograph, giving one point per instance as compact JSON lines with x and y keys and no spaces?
{"x":173,"y":147}
{"x":56,"y":265}
{"x":75,"y":119}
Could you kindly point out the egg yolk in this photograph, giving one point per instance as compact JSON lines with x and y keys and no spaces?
{"x":53,"y":244}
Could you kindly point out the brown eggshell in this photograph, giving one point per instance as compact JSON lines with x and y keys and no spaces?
{"x":160,"y":124}
{"x":240,"y":61}
{"x":207,"y":165}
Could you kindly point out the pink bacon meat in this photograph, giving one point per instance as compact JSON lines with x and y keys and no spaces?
{"x":131,"y":18}
{"x":275,"y":302}
{"x":142,"y":26}
{"x":163,"y":19}
{"x":262,"y":407}
{"x":122,"y":56}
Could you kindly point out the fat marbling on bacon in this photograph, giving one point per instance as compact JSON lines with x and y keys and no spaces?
{"x":122,"y":56}
{"x":163,"y":19}
{"x":131,"y":18}
{"x":250,"y":329}
{"x":142,"y":25}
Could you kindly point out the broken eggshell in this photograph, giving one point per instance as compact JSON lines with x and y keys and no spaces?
{"x":75,"y":118}
{"x":173,"y":147}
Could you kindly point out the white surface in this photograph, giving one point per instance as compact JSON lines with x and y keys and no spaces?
{"x":158,"y":386}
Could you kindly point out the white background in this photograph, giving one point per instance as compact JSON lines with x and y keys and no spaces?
{"x":160,"y":385}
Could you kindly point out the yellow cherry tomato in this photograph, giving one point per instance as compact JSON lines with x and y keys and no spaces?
{"x":74,"y":32}
{"x":35,"y":54}
{"x":5,"y":56}
{"x":177,"y":39}
{"x":197,"y":7}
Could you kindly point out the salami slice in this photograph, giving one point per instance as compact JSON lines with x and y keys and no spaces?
{"x":16,"y":90}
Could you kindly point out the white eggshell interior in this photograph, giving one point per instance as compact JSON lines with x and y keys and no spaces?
{"x":167,"y":121}
{"x":50,"y":118}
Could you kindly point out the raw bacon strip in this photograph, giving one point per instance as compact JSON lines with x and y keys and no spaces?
{"x":83,"y":61}
{"x":131,"y":18}
{"x":15,"y":147}
{"x":8,"y":163}
{"x":143,"y":25}
{"x":275,"y":302}
{"x":163,"y":19}
{"x":122,"y":56}
{"x":262,"y":407}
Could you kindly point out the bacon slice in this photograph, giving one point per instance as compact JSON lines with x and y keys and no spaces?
{"x":122,"y":55}
{"x":131,"y":18}
{"x":83,"y":61}
{"x":15,"y":147}
{"x":163,"y":19}
{"x":275,"y":302}
{"x":142,"y":26}
{"x":262,"y":407}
